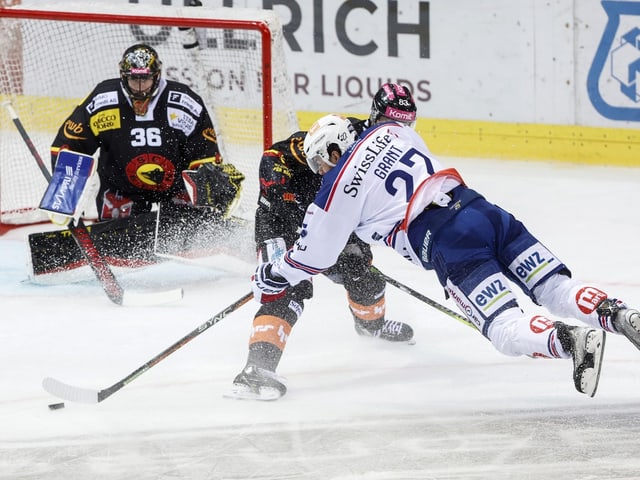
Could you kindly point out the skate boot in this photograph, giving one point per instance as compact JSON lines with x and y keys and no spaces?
{"x":625,"y":320}
{"x":255,"y":383}
{"x":391,"y":331}
{"x":586,"y":346}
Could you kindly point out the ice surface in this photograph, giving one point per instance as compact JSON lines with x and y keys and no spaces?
{"x":449,"y":407}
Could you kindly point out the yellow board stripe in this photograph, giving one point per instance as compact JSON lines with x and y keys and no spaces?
{"x":455,"y":138}
{"x":520,"y":141}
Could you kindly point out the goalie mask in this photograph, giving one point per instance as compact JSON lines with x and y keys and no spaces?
{"x":331,"y":133}
{"x":140,"y":70}
{"x":395,"y":102}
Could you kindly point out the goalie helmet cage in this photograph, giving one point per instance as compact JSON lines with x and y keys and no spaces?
{"x":52,"y":57}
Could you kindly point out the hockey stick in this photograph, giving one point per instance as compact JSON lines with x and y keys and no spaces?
{"x":423,"y":298}
{"x":90,"y":252}
{"x":86,"y":395}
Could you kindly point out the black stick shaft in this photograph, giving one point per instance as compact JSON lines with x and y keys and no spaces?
{"x":107,"y":392}
{"x":423,"y":298}
{"x":27,"y":140}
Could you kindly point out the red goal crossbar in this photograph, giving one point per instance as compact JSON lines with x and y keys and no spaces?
{"x":261,"y":27}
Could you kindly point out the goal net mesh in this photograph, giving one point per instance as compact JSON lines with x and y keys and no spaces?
{"x":51,"y":61}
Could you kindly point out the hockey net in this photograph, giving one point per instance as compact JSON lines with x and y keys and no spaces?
{"x":51,"y":59}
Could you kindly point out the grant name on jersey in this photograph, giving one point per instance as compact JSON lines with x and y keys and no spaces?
{"x":372,"y":150}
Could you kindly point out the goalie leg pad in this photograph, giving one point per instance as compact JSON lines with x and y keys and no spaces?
{"x":124,"y":242}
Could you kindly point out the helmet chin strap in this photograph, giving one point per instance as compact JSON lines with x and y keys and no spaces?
{"x":140,"y":106}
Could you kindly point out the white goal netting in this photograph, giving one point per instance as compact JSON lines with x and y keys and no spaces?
{"x":49,"y":60}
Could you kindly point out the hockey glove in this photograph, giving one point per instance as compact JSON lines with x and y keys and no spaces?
{"x":73,"y":186}
{"x":268,"y":287}
{"x":214,"y":186}
{"x":234,"y":176}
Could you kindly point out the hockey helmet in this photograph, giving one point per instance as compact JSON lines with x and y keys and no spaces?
{"x":328,"y":134}
{"x":395,"y":102}
{"x":140,"y":62}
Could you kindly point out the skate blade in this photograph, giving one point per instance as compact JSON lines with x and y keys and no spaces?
{"x":397,"y":342}
{"x":630,"y":329}
{"x":591,"y":376}
{"x":240,"y":392}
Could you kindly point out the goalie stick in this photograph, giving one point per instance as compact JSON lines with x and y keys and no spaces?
{"x":432,"y":303}
{"x":85,"y":243}
{"x":86,"y":395}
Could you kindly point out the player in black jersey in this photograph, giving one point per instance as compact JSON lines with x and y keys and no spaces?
{"x":157,"y":146}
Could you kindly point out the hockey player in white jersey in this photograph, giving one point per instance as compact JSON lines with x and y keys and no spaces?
{"x":389,"y":189}
{"x":287,"y":186}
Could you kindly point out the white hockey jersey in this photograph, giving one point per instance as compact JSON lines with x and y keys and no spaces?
{"x":379,"y":185}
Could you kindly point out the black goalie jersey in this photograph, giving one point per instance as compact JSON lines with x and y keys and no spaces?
{"x":141,"y":157}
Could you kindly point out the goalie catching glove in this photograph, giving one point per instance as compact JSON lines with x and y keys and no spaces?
{"x":214,"y":186}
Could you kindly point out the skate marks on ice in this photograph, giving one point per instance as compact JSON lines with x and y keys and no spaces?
{"x":568,"y":443}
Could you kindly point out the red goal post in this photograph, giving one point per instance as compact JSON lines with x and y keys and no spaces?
{"x":51,"y":57}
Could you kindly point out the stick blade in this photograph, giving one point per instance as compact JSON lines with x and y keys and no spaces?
{"x":69,"y":392}
{"x":145,"y":299}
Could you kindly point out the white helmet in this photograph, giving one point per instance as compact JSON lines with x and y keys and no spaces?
{"x":329,"y":133}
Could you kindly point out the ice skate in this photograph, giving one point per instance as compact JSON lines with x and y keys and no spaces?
{"x":391,"y":331}
{"x":255,"y":383}
{"x":625,"y":320}
{"x":586,"y":346}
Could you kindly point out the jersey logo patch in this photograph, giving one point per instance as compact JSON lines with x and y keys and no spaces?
{"x":297,"y":149}
{"x":149,"y":171}
{"x":535,"y":263}
{"x":589,"y":298}
{"x":102,"y":100}
{"x":105,"y":120}
{"x":491,"y":295}
{"x":73,"y":130}
{"x":210,"y":134}
{"x":181,"y":121}
{"x":185,"y":101}
{"x":540,"y":324}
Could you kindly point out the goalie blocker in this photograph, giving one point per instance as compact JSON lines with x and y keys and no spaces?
{"x":70,"y":187}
